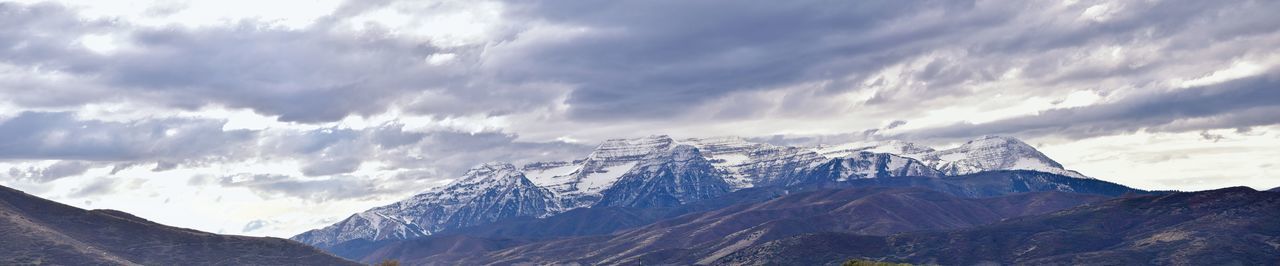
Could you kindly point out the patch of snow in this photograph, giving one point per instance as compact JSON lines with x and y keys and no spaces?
{"x":730,"y":159}
{"x":552,"y":176}
{"x":599,"y":181}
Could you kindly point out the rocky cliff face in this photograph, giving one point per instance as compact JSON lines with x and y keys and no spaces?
{"x":858,"y":166}
{"x":667,"y":179}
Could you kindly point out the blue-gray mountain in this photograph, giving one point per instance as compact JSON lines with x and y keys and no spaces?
{"x":659,"y":172}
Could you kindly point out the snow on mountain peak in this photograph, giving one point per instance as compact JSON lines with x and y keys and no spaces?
{"x":490,"y":170}
{"x":721,"y":145}
{"x":659,"y":171}
{"x":891,"y":146}
{"x":684,"y":153}
{"x":993,"y":153}
{"x":861,"y":165}
{"x":630,"y":149}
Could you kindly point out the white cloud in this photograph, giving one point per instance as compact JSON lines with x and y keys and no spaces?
{"x":1183,"y":161}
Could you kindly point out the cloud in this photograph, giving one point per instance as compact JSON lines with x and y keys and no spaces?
{"x":406,"y":161}
{"x":504,"y":81}
{"x":631,"y":60}
{"x":1242,"y":103}
{"x":62,"y":136}
{"x":316,"y":190}
{"x":306,"y":75}
{"x":330,"y":167}
{"x":52,"y":172}
{"x":96,"y":187}
{"x":652,"y":59}
{"x":895,"y":124}
{"x":255,"y":225}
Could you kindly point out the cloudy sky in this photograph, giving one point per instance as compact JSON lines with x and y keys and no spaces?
{"x":274,"y":117}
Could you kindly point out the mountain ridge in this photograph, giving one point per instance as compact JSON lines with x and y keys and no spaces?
{"x":707,"y":235}
{"x":1216,"y":227}
{"x":40,"y":231}
{"x":659,"y":171}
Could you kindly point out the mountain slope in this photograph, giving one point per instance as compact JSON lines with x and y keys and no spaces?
{"x":593,"y":221}
{"x":660,"y":172}
{"x":580,"y":183}
{"x":608,"y":220}
{"x":667,"y":179}
{"x":39,"y":231}
{"x":997,"y":183}
{"x":992,"y":153}
{"x":859,"y":165}
{"x":698,"y":236}
{"x":1233,"y":226}
{"x":486,"y":194}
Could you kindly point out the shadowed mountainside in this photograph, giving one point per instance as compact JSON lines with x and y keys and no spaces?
{"x":1232,"y":226}
{"x":707,"y":235}
{"x":38,"y":231}
{"x":589,"y":224}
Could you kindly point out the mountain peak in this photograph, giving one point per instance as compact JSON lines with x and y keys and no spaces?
{"x":493,"y":167}
{"x":489,"y":171}
{"x":660,"y":171}
{"x":630,"y":149}
{"x":994,"y":153}
{"x":997,"y":140}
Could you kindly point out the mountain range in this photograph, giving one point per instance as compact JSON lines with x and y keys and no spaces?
{"x":659,"y":200}
{"x":659,"y":171}
{"x":703,"y":237}
{"x":718,"y":201}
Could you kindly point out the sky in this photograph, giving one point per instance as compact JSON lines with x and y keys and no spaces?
{"x":269,"y":118}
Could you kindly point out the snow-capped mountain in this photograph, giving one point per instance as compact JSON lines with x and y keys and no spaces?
{"x":992,"y":153}
{"x":987,"y":153}
{"x":670,"y":178}
{"x":485,"y":194}
{"x":579,"y":183}
{"x":659,"y":171}
{"x":861,"y":165}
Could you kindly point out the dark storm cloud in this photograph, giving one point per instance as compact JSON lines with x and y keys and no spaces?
{"x":632,"y":59}
{"x":307,"y":75}
{"x":1241,"y":103}
{"x":390,"y":136}
{"x":654,"y":59}
{"x":648,"y":59}
{"x":44,"y":135}
{"x":611,"y":64}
